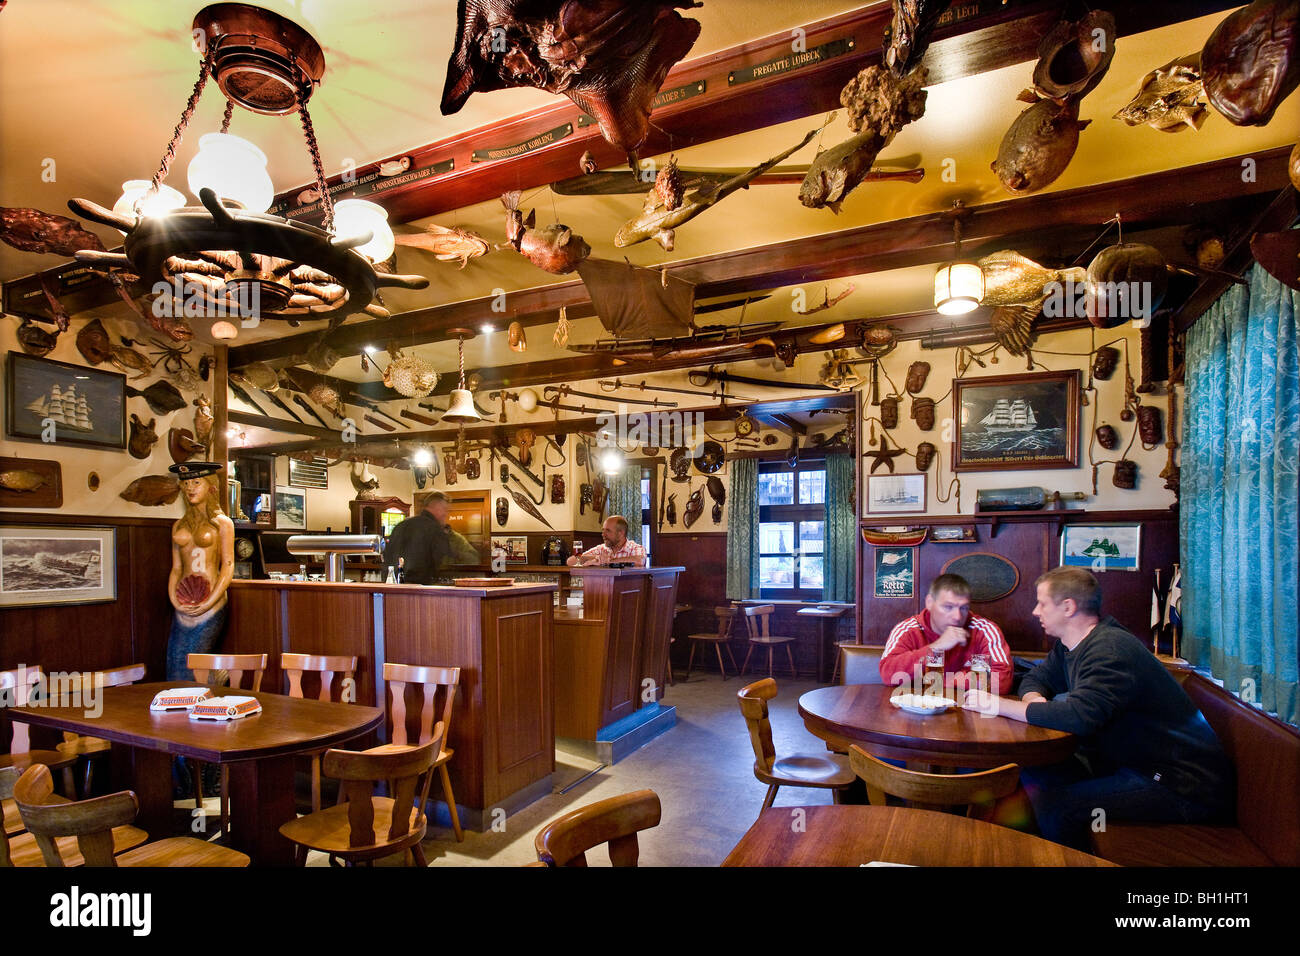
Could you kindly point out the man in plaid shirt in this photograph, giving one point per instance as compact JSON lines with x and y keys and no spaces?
{"x":616,"y":548}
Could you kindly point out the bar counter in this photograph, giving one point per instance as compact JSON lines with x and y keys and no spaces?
{"x":503,"y":722}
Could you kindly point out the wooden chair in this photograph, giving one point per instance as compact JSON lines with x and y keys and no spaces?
{"x":22,"y":849}
{"x":719,"y":641}
{"x":822,"y":771}
{"x":16,"y":686}
{"x":366,"y":827}
{"x":934,"y":791}
{"x":678,"y":611}
{"x":294,"y":666}
{"x":616,"y":821}
{"x":759,"y":637}
{"x":207,"y":669}
{"x":94,"y":824}
{"x":434,"y":682}
{"x":861,"y":664}
{"x":93,"y":750}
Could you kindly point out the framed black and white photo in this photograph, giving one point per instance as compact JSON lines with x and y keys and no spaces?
{"x":894,"y":572}
{"x":290,"y":509}
{"x":1101,"y":547}
{"x":1017,"y":422}
{"x":896,"y":494}
{"x":64,"y":404}
{"x":50,"y":566}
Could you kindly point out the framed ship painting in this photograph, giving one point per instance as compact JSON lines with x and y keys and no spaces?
{"x":1101,"y":547}
{"x":44,"y":566}
{"x":64,"y":404}
{"x":895,"y":494}
{"x":1017,"y":422}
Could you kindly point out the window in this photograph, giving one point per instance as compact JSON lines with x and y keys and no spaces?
{"x":791,"y":530}
{"x":646,"y":513}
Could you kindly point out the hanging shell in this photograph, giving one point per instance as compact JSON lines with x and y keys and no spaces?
{"x":516,"y":338}
{"x":258,"y":375}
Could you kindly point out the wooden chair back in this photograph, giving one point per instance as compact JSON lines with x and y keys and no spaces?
{"x":616,"y":821}
{"x":930,"y":790}
{"x":753,"y":705}
{"x":726,"y":616}
{"x":326,"y":666}
{"x":8,"y":777}
{"x":236,"y":665}
{"x":16,"y":691}
{"x":401,"y":767}
{"x":113,"y":677}
{"x":860,"y":664}
{"x":48,"y":816}
{"x":438,"y":693}
{"x":757,"y":618}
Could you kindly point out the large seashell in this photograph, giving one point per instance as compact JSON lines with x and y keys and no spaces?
{"x":259,"y":375}
{"x":1069,"y":61}
{"x":192,"y":590}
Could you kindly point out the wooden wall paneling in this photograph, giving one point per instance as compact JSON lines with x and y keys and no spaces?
{"x":623,"y":667}
{"x":662,"y":598}
{"x":579,"y":673}
{"x":518,"y":644}
{"x":342,"y":624}
{"x":257,"y":626}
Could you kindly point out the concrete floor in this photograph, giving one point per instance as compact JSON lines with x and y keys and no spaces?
{"x":702,"y":771}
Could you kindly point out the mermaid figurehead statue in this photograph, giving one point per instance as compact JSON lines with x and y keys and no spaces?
{"x":203,"y":560}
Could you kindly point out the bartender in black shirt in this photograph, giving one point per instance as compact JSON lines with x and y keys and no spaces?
{"x":423,"y":542}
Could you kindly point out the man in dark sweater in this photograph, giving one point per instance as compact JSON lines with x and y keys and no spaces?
{"x":1146,"y":753}
{"x":422,"y":542}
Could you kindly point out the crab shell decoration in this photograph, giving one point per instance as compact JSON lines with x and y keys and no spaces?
{"x":411,"y":376}
{"x":877,"y":341}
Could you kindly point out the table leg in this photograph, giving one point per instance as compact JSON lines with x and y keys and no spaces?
{"x":148,"y":773}
{"x":261,"y":799}
{"x":821,"y":651}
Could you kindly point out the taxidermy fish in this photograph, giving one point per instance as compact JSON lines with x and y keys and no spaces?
{"x":163,"y":397}
{"x":34,"y":339}
{"x":32,"y":230}
{"x":153,"y":490}
{"x":1013,"y":279}
{"x":447,"y":245}
{"x":657,"y":221}
{"x":555,"y":248}
{"x":93,"y":343}
{"x":608,"y":56}
{"x":21,"y":480}
{"x":1170,"y":99}
{"x":1039,"y":144}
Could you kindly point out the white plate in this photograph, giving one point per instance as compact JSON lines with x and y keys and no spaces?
{"x":923,"y":704}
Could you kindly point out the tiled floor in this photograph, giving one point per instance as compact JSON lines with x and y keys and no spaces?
{"x":702,"y":770}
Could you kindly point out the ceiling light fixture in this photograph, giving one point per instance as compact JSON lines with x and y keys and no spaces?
{"x":461,"y":408}
{"x":486,"y":329}
{"x":242,"y":261}
{"x":959,"y":285}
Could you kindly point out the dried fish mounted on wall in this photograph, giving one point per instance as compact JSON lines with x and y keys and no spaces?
{"x":1251,"y":62}
{"x":1171,"y":98}
{"x":1039,"y":145}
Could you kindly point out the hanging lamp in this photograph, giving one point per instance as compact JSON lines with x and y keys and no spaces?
{"x":959,"y":285}
{"x":460,"y":411}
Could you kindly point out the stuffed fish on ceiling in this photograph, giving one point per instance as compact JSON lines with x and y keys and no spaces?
{"x":608,"y":56}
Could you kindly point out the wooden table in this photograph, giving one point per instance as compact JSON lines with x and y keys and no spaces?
{"x":260,"y":751}
{"x":861,"y":714}
{"x":851,"y":836}
{"x":830,"y":616}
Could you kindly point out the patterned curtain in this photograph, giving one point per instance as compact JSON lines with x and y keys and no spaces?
{"x":841,"y":533}
{"x":742,"y":529}
{"x":625,"y":499}
{"x":1241,"y":446}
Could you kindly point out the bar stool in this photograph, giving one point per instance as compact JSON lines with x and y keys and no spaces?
{"x":206,"y":666}
{"x":719,"y":641}
{"x":95,"y":749}
{"x":759,"y":636}
{"x":326,"y":666}
{"x":17,"y":685}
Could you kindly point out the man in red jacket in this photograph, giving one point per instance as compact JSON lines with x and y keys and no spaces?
{"x":946,"y":627}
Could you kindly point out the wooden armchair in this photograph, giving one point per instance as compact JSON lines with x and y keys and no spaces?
{"x":17,"y":685}
{"x":207,"y":670}
{"x":616,"y":821}
{"x":93,"y":750}
{"x":366,"y":827}
{"x":326,"y":666}
{"x":22,"y":850}
{"x":95,"y":826}
{"x":821,"y":771}
{"x":757,"y":622}
{"x":934,"y":791}
{"x":435,"y":683}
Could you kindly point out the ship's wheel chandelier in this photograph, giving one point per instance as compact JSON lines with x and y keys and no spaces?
{"x":228,"y":254}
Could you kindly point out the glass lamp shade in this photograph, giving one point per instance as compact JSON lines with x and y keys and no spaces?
{"x":958,"y":288}
{"x":159,"y":204}
{"x":234,"y":169}
{"x":224,"y":330}
{"x":356,"y":217}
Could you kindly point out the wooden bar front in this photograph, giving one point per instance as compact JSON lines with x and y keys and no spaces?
{"x":605,"y":652}
{"x":503,"y":722}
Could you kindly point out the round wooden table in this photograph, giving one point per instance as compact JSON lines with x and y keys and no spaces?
{"x":851,"y":836}
{"x":861,"y":714}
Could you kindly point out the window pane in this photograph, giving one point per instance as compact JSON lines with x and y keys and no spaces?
{"x":776,"y":537}
{"x":776,"y":488}
{"x":812,"y":536}
{"x":775,"y":572}
{"x":645,"y":494}
{"x":810,"y":572}
{"x":812,"y":487}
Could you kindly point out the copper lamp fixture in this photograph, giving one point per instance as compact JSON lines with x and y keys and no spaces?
{"x":228,"y":252}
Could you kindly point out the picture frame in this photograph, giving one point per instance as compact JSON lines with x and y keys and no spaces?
{"x":44,"y":566}
{"x":1102,"y":547}
{"x":516,"y":550}
{"x":897,"y":494}
{"x":83,"y":406}
{"x":1017,"y":422}
{"x":894,"y":572}
{"x":290,"y":509}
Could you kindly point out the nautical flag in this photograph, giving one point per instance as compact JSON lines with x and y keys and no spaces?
{"x":1155,"y":603}
{"x":1174,"y":599}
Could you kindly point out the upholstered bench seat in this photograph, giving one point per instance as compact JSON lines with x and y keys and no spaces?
{"x":1131,"y":844}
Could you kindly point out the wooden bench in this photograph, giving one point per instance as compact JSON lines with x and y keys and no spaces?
{"x":1266,"y":754}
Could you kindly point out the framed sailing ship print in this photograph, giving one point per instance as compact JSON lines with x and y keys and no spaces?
{"x":1017,"y":422}
{"x":895,"y":494}
{"x":46,"y":566}
{"x":64,"y":404}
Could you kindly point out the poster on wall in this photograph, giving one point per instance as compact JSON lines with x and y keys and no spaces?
{"x":894,"y":571}
{"x":67,"y":404}
{"x":50,"y":566}
{"x":1017,"y":422}
{"x":290,"y":509}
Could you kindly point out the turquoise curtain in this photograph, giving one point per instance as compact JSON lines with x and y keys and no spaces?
{"x":1238,"y":515}
{"x":625,"y":499}
{"x":742,"y":529}
{"x":841,"y":532}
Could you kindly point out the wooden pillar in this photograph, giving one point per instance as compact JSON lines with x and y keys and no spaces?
{"x":220,"y":419}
